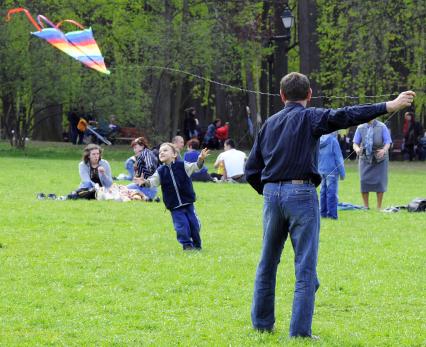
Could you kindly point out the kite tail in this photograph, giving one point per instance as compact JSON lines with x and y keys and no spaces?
{"x":70,"y":21}
{"x":41,"y":19}
{"x":20,"y":9}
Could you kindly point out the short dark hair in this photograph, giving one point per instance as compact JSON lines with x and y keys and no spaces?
{"x":193,"y":143}
{"x":295,"y":86}
{"x":230,"y":143}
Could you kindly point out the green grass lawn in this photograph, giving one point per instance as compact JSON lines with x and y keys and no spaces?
{"x":109,"y":273}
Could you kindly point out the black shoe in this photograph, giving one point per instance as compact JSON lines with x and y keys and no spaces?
{"x":157,"y":199}
{"x":311,"y":337}
{"x":72,"y":196}
{"x":188,"y":248}
{"x":41,"y":196}
{"x":265,"y":330}
{"x":51,"y":196}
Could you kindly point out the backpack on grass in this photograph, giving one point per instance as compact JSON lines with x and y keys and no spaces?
{"x":417,"y":205}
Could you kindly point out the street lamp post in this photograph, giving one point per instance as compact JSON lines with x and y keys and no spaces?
{"x":278,"y":62}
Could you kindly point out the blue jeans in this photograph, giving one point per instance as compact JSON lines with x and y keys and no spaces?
{"x":328,"y":196}
{"x":130,"y":167}
{"x":149,"y":192}
{"x":187,"y":226}
{"x":289,"y":209}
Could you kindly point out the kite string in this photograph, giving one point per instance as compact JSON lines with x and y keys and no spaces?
{"x":254,"y":91}
{"x":389,"y":118}
{"x":263,"y":93}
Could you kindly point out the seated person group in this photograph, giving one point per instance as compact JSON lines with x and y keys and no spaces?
{"x":95,"y":172}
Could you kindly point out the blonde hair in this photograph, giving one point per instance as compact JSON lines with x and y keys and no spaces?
{"x":172,"y":146}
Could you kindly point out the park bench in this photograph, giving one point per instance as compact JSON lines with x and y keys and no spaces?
{"x":396,"y":149}
{"x":127,"y":134}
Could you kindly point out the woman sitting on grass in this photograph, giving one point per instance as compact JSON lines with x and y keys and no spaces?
{"x":93,"y":170}
{"x":145,"y":165}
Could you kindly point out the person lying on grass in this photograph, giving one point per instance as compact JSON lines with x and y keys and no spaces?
{"x":178,"y":193}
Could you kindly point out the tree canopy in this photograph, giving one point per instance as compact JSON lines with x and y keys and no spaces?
{"x":164,"y":54}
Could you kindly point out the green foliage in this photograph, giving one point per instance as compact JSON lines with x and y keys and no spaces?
{"x":366,"y":48}
{"x":372,"y":48}
{"x":108,"y":273}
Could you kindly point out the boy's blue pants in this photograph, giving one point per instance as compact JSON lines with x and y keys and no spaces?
{"x":187,"y":226}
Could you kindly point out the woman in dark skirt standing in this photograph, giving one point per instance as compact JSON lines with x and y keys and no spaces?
{"x":371,"y":143}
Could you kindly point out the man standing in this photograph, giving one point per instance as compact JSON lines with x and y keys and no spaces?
{"x":282,"y":166}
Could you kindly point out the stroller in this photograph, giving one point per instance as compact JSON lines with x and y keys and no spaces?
{"x":101,"y":133}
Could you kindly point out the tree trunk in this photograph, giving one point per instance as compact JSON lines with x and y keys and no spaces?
{"x":220,"y":101}
{"x":162,"y":106}
{"x":162,"y":99}
{"x":252,"y":102}
{"x":280,"y":63}
{"x":263,"y":83}
{"x":176,"y":117}
{"x":308,"y":48}
{"x":48,"y":124}
{"x":8,"y":119}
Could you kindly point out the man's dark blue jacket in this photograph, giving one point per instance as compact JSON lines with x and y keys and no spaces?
{"x":286,"y":147}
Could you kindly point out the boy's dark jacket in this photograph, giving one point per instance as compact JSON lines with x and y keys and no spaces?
{"x":176,"y":185}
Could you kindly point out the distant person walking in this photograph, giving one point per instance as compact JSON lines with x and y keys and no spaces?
{"x":282,"y":166}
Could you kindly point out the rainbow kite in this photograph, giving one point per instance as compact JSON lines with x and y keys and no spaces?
{"x":78,"y":44}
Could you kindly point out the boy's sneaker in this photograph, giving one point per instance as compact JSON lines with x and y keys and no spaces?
{"x":51,"y":196}
{"x":157,"y":199}
{"x":188,"y":247}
